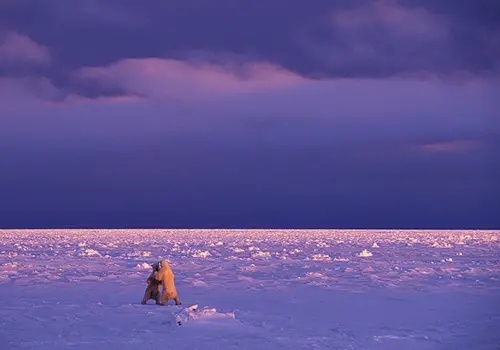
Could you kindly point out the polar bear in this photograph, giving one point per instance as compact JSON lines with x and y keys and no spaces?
{"x":166,"y":276}
{"x":153,"y":288}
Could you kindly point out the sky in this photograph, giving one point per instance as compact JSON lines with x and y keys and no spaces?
{"x":250,"y":114}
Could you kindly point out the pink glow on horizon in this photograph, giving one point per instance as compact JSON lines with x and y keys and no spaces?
{"x":450,"y":146}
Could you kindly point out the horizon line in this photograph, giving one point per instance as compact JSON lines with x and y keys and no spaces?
{"x":244,"y":229}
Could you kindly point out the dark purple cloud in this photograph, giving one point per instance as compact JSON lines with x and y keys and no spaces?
{"x":390,"y":37}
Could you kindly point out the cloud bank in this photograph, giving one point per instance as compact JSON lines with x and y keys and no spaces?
{"x":359,"y":114}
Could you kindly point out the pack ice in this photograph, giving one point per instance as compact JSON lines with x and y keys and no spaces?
{"x":251,"y":289}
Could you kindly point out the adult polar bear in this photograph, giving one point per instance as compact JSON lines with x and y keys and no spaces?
{"x":166,"y":276}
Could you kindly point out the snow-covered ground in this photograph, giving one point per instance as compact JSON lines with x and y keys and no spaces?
{"x":339,"y":289}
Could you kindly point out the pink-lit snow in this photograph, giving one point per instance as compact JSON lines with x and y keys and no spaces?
{"x":261,"y":289}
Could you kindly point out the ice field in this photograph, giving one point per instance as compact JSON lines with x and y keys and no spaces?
{"x":255,"y":289}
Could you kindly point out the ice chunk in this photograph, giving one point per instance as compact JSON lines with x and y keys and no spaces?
{"x":321,"y":257}
{"x":365,"y":253}
{"x":260,"y":254}
{"x":88,"y":252}
{"x":202,"y":254}
{"x":143,"y":266}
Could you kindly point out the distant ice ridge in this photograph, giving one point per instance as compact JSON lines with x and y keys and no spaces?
{"x":441,"y":245}
{"x":278,"y":256}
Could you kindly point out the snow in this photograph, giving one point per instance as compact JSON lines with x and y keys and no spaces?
{"x":270,"y":289}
